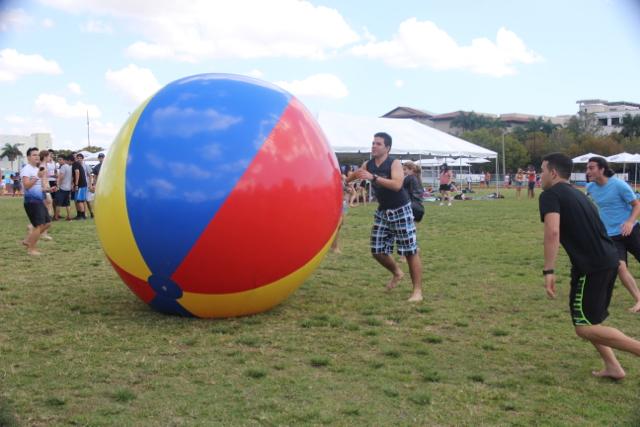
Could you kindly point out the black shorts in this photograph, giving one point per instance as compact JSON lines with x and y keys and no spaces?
{"x":37,"y":213}
{"x":630,"y":243}
{"x":63,"y":198}
{"x":532,"y":185}
{"x":445,"y":187}
{"x":590,"y":296}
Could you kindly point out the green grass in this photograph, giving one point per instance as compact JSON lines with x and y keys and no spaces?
{"x":486,"y":347}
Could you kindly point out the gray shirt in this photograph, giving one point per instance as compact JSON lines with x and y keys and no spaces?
{"x":65,"y":183}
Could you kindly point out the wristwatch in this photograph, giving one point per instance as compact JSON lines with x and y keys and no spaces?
{"x":375,"y":178}
{"x":545,"y":272}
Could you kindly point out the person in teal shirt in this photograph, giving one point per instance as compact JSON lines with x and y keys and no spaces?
{"x":619,"y":210}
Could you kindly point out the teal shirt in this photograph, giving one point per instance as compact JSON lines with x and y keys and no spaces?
{"x":614,"y":203}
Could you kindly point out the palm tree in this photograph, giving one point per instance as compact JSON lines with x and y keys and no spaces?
{"x":11,"y":152}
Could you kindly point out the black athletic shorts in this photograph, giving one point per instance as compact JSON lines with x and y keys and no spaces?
{"x":62,"y":198}
{"x":532,"y":185}
{"x":37,"y":213}
{"x":590,"y":296}
{"x":630,"y":243}
{"x":445,"y":187}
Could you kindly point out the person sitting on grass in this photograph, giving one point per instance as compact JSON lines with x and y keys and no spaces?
{"x":572,"y":220}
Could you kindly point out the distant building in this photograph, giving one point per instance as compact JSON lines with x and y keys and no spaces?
{"x":610,"y":115}
{"x":40,"y":140}
{"x":443,"y":121}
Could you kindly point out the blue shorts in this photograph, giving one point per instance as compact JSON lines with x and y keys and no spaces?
{"x":81,"y":194}
{"x":394,"y":226}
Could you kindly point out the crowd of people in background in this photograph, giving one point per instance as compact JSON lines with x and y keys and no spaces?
{"x":49,"y":183}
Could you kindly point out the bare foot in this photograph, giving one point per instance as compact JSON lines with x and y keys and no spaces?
{"x":24,"y":242}
{"x":635,"y":308}
{"x":614,"y":374}
{"x":34,"y":252}
{"x":397,"y":277}
{"x":336,"y":250}
{"x":46,"y":237}
{"x":415,"y":297}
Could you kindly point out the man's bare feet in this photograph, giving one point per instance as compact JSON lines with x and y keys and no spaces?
{"x":34,"y":252}
{"x":46,"y":237}
{"x":415,"y":297}
{"x":611,"y":373}
{"x":24,"y":242}
{"x":336,"y":250}
{"x":395,"y":279}
{"x":635,"y":308}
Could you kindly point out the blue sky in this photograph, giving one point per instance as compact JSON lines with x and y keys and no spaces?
{"x":60,"y":58}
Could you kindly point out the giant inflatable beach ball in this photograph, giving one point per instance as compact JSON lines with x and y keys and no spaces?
{"x":219,"y":197}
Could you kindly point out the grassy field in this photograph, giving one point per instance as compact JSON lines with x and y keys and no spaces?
{"x":486,"y":347}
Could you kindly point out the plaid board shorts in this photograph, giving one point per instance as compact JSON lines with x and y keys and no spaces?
{"x":394,"y":225}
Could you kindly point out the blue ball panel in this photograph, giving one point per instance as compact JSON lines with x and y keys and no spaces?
{"x":193,"y":142}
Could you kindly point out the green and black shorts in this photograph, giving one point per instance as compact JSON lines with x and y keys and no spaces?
{"x":590,"y":296}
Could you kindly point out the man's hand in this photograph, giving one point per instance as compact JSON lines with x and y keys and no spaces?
{"x":626,"y":228}
{"x":550,"y":285}
{"x":364,"y":174}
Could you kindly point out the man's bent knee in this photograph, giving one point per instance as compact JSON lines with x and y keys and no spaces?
{"x":585,"y":332}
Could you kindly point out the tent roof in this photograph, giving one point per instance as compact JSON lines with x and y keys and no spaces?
{"x":624,"y":157}
{"x":352,"y":134}
{"x":585,"y":158}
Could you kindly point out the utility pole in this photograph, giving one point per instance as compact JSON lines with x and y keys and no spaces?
{"x":88,"y":137}
{"x":504,"y":169}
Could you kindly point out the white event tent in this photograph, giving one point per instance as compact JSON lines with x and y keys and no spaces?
{"x":353,"y":134}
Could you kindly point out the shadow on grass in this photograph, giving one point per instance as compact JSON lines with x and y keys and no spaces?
{"x":7,"y":419}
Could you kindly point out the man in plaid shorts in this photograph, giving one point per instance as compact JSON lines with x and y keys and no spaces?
{"x":393,"y":220}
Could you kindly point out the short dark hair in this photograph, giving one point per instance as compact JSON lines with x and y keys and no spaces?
{"x":100,"y":155}
{"x":386,"y":137}
{"x":602,"y":164}
{"x":79,"y":155}
{"x":559,"y":162}
{"x":30,"y":150}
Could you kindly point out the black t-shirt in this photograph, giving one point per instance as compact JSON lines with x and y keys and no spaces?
{"x":582,"y":233}
{"x":82,"y":179}
{"x":387,"y":199}
{"x":96,"y":169}
{"x":413,"y":187}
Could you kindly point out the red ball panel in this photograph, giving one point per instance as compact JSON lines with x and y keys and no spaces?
{"x":281,"y":213}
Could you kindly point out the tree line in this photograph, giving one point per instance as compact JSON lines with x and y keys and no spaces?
{"x":527,"y":144}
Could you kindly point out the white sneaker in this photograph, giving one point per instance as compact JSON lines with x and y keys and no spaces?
{"x":441,"y":204}
{"x":449,"y":204}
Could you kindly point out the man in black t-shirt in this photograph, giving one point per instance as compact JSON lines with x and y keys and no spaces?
{"x":393,"y":220}
{"x":80,"y":186}
{"x":571,"y":219}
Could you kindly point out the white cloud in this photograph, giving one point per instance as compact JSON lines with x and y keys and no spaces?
{"x":47,"y":23}
{"x":421,"y":44}
{"x":256,"y":74}
{"x":14,"y":119}
{"x":399,"y":83}
{"x":13,"y":65}
{"x":135,"y":83}
{"x":58,"y":106}
{"x":317,"y":85}
{"x":102,"y":134}
{"x":74,"y":88}
{"x":14,"y":19}
{"x":194,"y":30}
{"x":98,"y":27}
